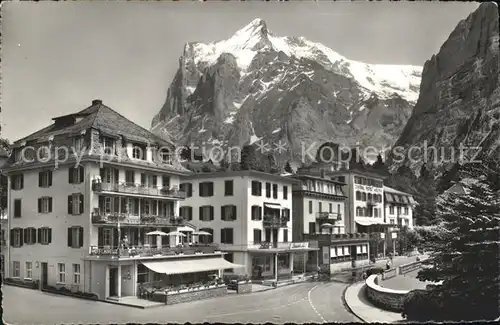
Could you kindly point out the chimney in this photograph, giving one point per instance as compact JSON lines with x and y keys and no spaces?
{"x":96,"y":102}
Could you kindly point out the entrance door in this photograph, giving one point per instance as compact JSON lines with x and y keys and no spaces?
{"x":113,"y":281}
{"x":43,"y":275}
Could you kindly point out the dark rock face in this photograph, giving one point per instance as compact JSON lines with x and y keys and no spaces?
{"x":256,"y":86}
{"x":459,"y":101}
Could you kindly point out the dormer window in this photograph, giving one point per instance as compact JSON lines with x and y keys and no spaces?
{"x":165,"y":156}
{"x":108,"y":145}
{"x":77,"y":144}
{"x":43,"y":151}
{"x":139,"y":152}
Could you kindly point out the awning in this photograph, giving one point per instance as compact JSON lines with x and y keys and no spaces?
{"x":185,"y":228}
{"x":368,"y":222}
{"x":272,"y":205}
{"x":190,"y":266}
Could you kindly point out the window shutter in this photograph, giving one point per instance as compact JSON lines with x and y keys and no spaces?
{"x":115,"y":237}
{"x":100,"y":237}
{"x":234,"y":212}
{"x":155,"y":180}
{"x":190,"y":189}
{"x":50,"y":178}
{"x":190,"y":211}
{"x":40,"y":179}
{"x":82,"y":172}
{"x":222,"y":237}
{"x":200,"y":187}
{"x":211,"y":213}
{"x":33,"y":234}
{"x":70,"y":175}
{"x":117,"y":175}
{"x":81,"y":203}
{"x":11,"y":237}
{"x":50,"y":235}
{"x":22,"y":181}
{"x":50,"y":204}
{"x":21,"y":240}
{"x":211,"y":191}
{"x":70,"y":237}
{"x":26,"y":230}
{"x":200,"y":215}
{"x":39,"y":205}
{"x":260,"y":213}
{"x":222,"y":214}
{"x":101,"y":172}
{"x":39,"y":236}
{"x":70,"y":204}
{"x":143,"y":179}
{"x":80,"y":244}
{"x":116,"y":203}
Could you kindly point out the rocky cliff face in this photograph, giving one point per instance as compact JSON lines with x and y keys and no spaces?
{"x":459,"y":101}
{"x":256,"y":86}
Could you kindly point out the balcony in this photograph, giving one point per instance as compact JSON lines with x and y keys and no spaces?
{"x":334,"y":216}
{"x":329,"y":238}
{"x":142,"y":220}
{"x":127,"y":188}
{"x":371,"y":202}
{"x":278,"y":245}
{"x":274,"y":221}
{"x":108,"y":251}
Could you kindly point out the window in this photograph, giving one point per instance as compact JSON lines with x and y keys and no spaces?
{"x":186,"y":212}
{"x":330,"y":207}
{"x":142,"y":273}
{"x":75,"y":237}
{"x":226,"y":235}
{"x":320,"y":206}
{"x":398,"y":209}
{"x":165,"y":156}
{"x":165,"y":181}
{"x":61,"y":269}
{"x":406,"y":211}
{"x":341,"y":179}
{"x":76,"y":273}
{"x":363,"y":196}
{"x":275,"y":191}
{"x":312,"y":227}
{"x":228,"y":212}
{"x":206,"y":189}
{"x":391,"y":209}
{"x":285,"y":235}
{"x":109,"y":175}
{"x":29,"y":236}
{"x":228,"y":188}
{"x":256,"y":212}
{"x":108,"y":145}
{"x":268,"y":190}
{"x":130,"y":177}
{"x":310,"y":206}
{"x":285,"y":192}
{"x":206,"y":213}
{"x":17,"y":208}
{"x":44,"y":235}
{"x":16,"y":269}
{"x":75,"y":204}
{"x":188,"y":188}
{"x":44,"y":151}
{"x":206,"y":239}
{"x":359,"y":212}
{"x":45,"y":205}
{"x":375,"y":211}
{"x":256,"y":188}
{"x":28,"y":271}
{"x":106,"y":236}
{"x":286,"y":214}
{"x":77,"y":144}
{"x":139,"y":152}
{"x":45,"y":179}
{"x":76,"y":175}
{"x":257,"y":235}
{"x":370,"y":197}
{"x":17,"y":182}
{"x":338,"y":209}
{"x":392,"y":221}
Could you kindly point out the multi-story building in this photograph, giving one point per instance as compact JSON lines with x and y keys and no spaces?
{"x":398,"y":207}
{"x":319,"y":210}
{"x":83,"y":195}
{"x":249,"y":215}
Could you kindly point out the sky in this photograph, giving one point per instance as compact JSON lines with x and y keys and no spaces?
{"x":59,"y":56}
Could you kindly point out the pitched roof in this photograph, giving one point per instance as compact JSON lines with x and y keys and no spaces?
{"x":98,"y":116}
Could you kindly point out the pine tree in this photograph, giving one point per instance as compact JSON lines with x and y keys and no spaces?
{"x":379,"y":164}
{"x":465,"y":252}
{"x":288,"y":167}
{"x":272,"y":167}
{"x":248,"y":160}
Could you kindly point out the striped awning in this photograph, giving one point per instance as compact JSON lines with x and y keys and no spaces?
{"x":190,"y":266}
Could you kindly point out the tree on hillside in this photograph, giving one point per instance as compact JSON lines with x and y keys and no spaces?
{"x":288,"y":167}
{"x":379,"y":163}
{"x":408,"y":239}
{"x":248,"y":159}
{"x":271,"y":166}
{"x":465,"y":253}
{"x":446,"y":179}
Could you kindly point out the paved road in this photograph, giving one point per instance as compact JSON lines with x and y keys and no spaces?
{"x":301,"y":303}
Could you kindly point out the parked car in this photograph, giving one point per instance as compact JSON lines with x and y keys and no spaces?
{"x":374,"y":270}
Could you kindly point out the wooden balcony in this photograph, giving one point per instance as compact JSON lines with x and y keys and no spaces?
{"x":274,"y":221}
{"x":142,"y":220}
{"x":108,"y":251}
{"x":127,"y":188}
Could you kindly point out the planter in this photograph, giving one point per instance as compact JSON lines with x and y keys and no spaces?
{"x":67,"y":292}
{"x":244,"y":287}
{"x":23,"y":283}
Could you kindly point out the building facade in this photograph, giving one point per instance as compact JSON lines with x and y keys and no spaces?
{"x":83,"y":195}
{"x":398,"y":207}
{"x":249,"y":215}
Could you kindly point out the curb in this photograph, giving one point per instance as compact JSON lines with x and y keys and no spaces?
{"x":344,"y":301}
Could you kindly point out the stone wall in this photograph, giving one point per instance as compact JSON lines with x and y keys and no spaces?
{"x":175,"y":298}
{"x":384,"y":298}
{"x":244,"y":287}
{"x":389,"y":273}
{"x":410,"y":267}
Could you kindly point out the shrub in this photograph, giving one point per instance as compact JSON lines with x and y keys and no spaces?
{"x":422,"y":305}
{"x":64,"y":290}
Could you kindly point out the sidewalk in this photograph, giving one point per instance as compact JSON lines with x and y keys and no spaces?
{"x":355,"y":299}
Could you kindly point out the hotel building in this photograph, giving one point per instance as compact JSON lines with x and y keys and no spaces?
{"x":83,"y":195}
{"x":249,"y":215}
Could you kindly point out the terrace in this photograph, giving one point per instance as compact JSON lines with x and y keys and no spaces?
{"x":274,"y":221}
{"x":145,"y":251}
{"x":130,"y":188}
{"x":99,"y":217}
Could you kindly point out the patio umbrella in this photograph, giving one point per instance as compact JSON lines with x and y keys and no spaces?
{"x":202,"y":233}
{"x":176,"y":233}
{"x":327,"y":225}
{"x":157,"y":233}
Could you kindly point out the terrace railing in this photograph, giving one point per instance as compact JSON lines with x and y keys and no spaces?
{"x":129,"y":188}
{"x":99,"y":217}
{"x":150,"y":251}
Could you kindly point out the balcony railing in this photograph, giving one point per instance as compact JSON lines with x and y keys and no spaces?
{"x":129,"y":188}
{"x":145,"y":219}
{"x":337,"y":237}
{"x":371,"y":202}
{"x":274,"y":221}
{"x":149,"y":251}
{"x":329,"y":215}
